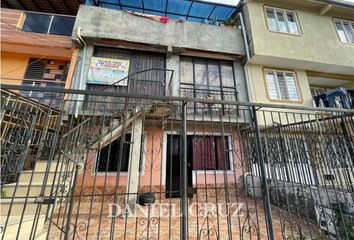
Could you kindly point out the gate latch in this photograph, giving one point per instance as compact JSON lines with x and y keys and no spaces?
{"x":44,"y":200}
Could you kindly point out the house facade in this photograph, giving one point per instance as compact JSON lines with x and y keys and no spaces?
{"x":298,"y":49}
{"x":177,"y":120}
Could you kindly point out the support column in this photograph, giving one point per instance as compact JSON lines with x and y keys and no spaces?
{"x":133,"y":168}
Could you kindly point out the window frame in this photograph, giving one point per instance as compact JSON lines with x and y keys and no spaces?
{"x":284,"y":11}
{"x":224,"y":90}
{"x":284,"y":71}
{"x":121,"y":173}
{"x":22,"y":21}
{"x":213,"y":136}
{"x":351,"y":24}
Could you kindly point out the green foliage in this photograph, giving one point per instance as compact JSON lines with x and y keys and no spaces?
{"x":347,"y":226}
{"x":230,"y":22}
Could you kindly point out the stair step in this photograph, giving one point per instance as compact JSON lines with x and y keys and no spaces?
{"x":18,"y":206}
{"x":28,"y":221}
{"x":41,"y":166}
{"x":38,"y":176}
{"x":41,"y":234}
{"x":26,"y":190}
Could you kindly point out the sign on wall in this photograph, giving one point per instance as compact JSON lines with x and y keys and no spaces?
{"x":108,"y":71}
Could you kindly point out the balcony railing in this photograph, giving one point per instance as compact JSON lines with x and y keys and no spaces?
{"x":335,"y":98}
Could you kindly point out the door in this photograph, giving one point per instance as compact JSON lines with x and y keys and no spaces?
{"x":173,"y":168}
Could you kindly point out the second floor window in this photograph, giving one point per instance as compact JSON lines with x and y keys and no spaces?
{"x":345,"y":30}
{"x":281,"y":20}
{"x":207,"y":79}
{"x":48,"y":23}
{"x":281,"y":85}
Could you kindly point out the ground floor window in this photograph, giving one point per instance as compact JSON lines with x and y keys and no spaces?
{"x":108,"y":157}
{"x":210,"y":153}
{"x":203,"y":152}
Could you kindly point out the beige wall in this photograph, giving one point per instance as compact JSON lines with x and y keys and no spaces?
{"x":318,"y":48}
{"x":259,"y":88}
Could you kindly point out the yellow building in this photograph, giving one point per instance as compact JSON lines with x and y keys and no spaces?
{"x":36,"y":48}
{"x":298,"y":49}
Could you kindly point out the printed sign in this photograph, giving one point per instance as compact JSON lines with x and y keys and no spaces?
{"x":108,"y":71}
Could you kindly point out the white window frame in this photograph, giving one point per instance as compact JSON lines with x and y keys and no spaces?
{"x":277,"y":85}
{"x":346,"y":36}
{"x":287,"y":23}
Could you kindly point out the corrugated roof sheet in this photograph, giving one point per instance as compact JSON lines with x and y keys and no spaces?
{"x":189,"y":10}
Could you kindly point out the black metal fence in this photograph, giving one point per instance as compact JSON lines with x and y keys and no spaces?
{"x":162,"y":169}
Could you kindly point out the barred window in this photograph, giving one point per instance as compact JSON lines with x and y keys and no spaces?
{"x":281,"y":20}
{"x":345,"y":30}
{"x":281,"y":85}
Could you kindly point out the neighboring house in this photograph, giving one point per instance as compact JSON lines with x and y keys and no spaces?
{"x":298,"y":49}
{"x":36,"y":50}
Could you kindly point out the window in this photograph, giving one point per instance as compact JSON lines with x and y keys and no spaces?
{"x":108,"y":156}
{"x":280,"y":20}
{"x":48,"y":23}
{"x":345,"y":30}
{"x":210,"y":153}
{"x":45,"y":73}
{"x":281,"y":85}
{"x":207,"y":79}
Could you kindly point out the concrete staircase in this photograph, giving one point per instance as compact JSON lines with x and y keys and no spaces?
{"x":23,"y":198}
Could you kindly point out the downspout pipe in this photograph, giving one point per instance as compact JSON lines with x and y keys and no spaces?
{"x":248,"y":55}
{"x":81,"y":79}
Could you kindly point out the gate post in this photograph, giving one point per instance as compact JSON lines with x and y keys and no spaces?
{"x":264,"y":184}
{"x":184,"y":176}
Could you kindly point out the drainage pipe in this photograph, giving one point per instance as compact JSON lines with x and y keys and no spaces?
{"x":81,"y":79}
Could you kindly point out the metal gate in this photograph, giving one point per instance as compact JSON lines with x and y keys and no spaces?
{"x":150,"y":167}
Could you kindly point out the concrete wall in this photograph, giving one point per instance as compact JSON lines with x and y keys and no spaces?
{"x":102,"y":23}
{"x":318,"y":48}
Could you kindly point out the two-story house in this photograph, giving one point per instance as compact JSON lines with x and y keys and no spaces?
{"x":298,"y":49}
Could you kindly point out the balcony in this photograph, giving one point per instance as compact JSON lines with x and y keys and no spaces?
{"x":335,"y":98}
{"x":107,"y":25}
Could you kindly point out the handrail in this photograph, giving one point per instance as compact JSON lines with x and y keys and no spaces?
{"x":169,"y":98}
{"x":76,"y":127}
{"x":133,"y":74}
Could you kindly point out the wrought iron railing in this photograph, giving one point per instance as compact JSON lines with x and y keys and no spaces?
{"x":165,"y":171}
